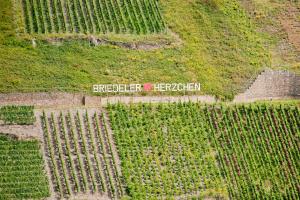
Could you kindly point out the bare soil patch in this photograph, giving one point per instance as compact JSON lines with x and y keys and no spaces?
{"x":290,"y":21}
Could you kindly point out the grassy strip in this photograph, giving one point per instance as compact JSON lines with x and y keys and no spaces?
{"x":221,"y":49}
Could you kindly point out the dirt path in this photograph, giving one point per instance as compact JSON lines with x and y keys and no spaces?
{"x":290,"y":22}
{"x":68,"y":100}
{"x":22,"y":132}
{"x":43,"y":99}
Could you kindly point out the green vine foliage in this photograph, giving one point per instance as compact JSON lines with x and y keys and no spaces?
{"x":208,"y":151}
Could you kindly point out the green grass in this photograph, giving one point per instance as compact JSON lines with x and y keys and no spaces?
{"x":266,"y":14}
{"x":236,"y":151}
{"x":22,"y":170}
{"x":221,"y":49}
{"x":21,"y":115}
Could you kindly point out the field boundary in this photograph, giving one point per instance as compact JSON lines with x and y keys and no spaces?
{"x":269,"y":85}
{"x":21,"y":132}
{"x":68,"y":100}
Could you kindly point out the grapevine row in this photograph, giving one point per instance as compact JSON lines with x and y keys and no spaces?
{"x":78,"y":155}
{"x":194,"y":150}
{"x":92,"y":16}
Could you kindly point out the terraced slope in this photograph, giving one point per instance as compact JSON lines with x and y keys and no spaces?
{"x":221,"y":49}
{"x":92,"y":16}
{"x":80,"y":154}
{"x":22,"y":174}
{"x":194,"y":150}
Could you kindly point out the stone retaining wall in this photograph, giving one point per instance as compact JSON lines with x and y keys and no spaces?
{"x":66,"y":100}
{"x":272,"y":85}
{"x":42,"y":99}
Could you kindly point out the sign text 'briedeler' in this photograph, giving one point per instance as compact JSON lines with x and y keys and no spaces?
{"x":147,"y":87}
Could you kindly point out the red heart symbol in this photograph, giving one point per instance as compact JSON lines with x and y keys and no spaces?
{"x":148,"y":86}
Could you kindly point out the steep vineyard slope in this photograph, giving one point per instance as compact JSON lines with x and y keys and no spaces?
{"x":80,"y":155}
{"x":185,"y":150}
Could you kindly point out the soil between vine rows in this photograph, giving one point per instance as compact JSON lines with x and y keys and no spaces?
{"x":79,"y":154}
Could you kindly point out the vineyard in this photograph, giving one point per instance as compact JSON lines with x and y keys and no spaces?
{"x":165,"y":153}
{"x":92,"y":16}
{"x":196,"y":150}
{"x":22,"y":173}
{"x":80,"y":154}
{"x":21,"y":115}
{"x":157,"y":151}
{"x":258,"y":148}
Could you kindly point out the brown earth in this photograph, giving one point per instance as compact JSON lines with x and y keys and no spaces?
{"x":290,"y":21}
{"x":21,"y":132}
{"x":281,"y":21}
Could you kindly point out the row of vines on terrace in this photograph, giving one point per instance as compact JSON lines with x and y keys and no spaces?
{"x":92,"y":16}
{"x":80,"y":154}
